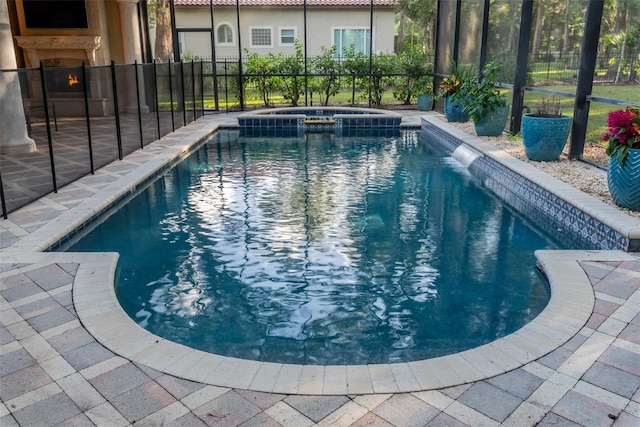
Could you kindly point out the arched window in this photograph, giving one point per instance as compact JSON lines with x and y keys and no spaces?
{"x":224,"y":34}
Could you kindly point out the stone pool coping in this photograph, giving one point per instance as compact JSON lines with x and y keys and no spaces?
{"x":570,"y":306}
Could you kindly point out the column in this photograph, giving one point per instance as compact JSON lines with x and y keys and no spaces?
{"x":13,"y":137}
{"x":132,"y":52}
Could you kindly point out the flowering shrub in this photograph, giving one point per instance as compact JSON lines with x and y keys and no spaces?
{"x":623,"y":132}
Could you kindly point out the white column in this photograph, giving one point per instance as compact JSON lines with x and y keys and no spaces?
{"x":13,"y":133}
{"x":132,"y":51}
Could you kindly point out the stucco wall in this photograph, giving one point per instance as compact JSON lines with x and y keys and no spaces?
{"x":320,"y":24}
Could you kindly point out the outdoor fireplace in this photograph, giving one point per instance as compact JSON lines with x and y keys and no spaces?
{"x":62,"y":57}
{"x":65,"y":81}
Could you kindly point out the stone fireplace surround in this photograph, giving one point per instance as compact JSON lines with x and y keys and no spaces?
{"x":66,"y":51}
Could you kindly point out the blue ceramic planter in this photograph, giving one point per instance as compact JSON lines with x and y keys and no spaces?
{"x":493,"y":123}
{"x":454,"y":113}
{"x":544,"y":137}
{"x":425,"y":102}
{"x":624,"y":180}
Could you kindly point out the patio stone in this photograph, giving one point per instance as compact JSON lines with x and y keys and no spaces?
{"x":87,"y":355}
{"x":604,"y":308}
{"x":261,"y":420}
{"x":520,"y":383}
{"x":141,"y":401}
{"x":316,"y":407}
{"x":58,"y":408}
{"x":70,"y":340}
{"x":613,"y":379}
{"x":261,"y":400}
{"x":51,"y":319}
{"x":444,"y":420}
{"x":119,"y":380}
{"x":555,"y":420}
{"x":230,"y":409}
{"x":187,"y":420}
{"x":622,"y":359}
{"x":50,"y":277}
{"x":178,"y":387}
{"x":14,"y":361}
{"x":631,"y":333}
{"x":584,"y":410}
{"x":5,"y":336}
{"x":618,"y":285}
{"x":23,"y":381}
{"x":371,"y":419}
{"x":17,"y":291}
{"x":483,"y":396}
{"x":38,"y":307}
{"x":406,"y":410}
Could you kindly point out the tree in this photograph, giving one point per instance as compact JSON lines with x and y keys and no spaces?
{"x":537,"y":34}
{"x":423,"y":14}
{"x":160,"y":17}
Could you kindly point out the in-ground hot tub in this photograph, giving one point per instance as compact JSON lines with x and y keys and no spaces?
{"x":296,"y":121}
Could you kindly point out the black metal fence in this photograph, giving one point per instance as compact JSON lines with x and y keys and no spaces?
{"x":83,"y":118}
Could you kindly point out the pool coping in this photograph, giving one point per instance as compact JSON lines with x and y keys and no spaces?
{"x":94,"y":299}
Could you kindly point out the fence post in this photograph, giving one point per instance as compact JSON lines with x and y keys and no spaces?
{"x":587,"y":67}
{"x":520,"y":79}
{"x":2,"y":200}
{"x":202,"y":87}
{"x":116,"y":108}
{"x":173,"y":124}
{"x":46,"y":119}
{"x":135,"y":70}
{"x":193,"y":89}
{"x":183,"y":94}
{"x":86,"y":114}
{"x":155,"y":90}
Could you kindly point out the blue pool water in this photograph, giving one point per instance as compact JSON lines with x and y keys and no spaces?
{"x":323,"y":250}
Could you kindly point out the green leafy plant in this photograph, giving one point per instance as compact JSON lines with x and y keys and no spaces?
{"x":357,"y":65}
{"x":416,"y":69}
{"x":481,"y":95}
{"x":260,"y":70}
{"x":328,"y":69}
{"x":292,"y":84}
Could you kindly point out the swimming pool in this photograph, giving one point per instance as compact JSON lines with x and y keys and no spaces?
{"x":276,"y":225}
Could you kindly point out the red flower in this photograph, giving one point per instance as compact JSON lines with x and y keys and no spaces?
{"x":623,"y":132}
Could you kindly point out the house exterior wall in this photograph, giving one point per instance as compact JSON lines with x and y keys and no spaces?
{"x":321,"y":23}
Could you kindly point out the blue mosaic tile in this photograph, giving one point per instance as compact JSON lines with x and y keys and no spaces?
{"x":549,"y":212}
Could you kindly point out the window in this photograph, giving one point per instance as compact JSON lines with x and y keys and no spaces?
{"x":287,"y":36}
{"x":345,"y":37}
{"x":261,"y":37}
{"x":224,"y":34}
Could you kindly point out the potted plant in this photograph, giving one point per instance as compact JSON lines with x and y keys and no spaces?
{"x":545,"y":131}
{"x":450,"y":88}
{"x":623,"y":173}
{"x":485,"y":104}
{"x":425,"y":98}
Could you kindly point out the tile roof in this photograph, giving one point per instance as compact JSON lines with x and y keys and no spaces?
{"x":324,"y":3}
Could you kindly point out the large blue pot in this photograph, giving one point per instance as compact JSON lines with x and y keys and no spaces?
{"x":544,"y":137}
{"x":624,"y":180}
{"x":454,"y":112}
{"x":493,"y":123}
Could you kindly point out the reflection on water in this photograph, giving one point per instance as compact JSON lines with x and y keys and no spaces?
{"x":323,"y":250}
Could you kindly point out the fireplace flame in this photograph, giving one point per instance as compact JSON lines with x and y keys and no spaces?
{"x":73,"y":80}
